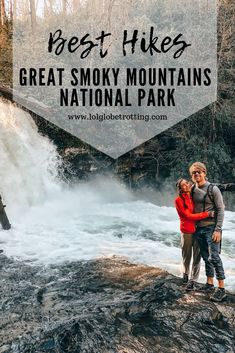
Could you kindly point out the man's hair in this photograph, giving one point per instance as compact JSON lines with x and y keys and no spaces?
{"x":198,"y":165}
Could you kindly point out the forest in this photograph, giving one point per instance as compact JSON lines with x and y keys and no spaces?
{"x":207,"y":136}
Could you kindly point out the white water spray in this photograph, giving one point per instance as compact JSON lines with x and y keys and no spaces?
{"x":28,"y":161}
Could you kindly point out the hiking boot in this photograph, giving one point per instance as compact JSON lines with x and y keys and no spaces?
{"x":190,"y":286}
{"x":185,"y":278}
{"x":219,"y":295}
{"x":207,"y":288}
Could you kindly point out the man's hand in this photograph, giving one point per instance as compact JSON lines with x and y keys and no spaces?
{"x":216,"y":236}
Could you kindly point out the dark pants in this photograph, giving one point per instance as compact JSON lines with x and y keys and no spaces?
{"x":210,"y":251}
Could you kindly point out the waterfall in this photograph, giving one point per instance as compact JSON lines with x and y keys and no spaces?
{"x":28,"y":161}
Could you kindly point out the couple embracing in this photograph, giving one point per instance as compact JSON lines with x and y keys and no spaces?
{"x":201,"y":211}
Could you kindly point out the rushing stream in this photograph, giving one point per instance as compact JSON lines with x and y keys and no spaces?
{"x":52,"y":223}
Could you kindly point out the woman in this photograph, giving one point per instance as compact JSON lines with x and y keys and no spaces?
{"x":185,"y":208}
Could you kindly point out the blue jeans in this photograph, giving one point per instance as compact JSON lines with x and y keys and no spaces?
{"x":210,"y":251}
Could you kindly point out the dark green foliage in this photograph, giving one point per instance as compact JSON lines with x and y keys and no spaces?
{"x":6,"y":54}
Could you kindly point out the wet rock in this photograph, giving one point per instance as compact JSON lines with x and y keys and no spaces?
{"x":107,"y":306}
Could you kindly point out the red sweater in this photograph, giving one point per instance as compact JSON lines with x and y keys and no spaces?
{"x":185,"y":208}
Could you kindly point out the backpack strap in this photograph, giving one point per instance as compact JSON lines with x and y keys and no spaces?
{"x":209,"y":193}
{"x":193,"y":189}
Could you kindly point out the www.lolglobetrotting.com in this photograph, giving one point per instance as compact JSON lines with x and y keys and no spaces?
{"x":103,"y":117}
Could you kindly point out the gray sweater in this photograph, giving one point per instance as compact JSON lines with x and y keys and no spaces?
{"x":217,"y":205}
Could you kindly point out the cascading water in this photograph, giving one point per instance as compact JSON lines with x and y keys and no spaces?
{"x":53,"y":224}
{"x":28,"y":161}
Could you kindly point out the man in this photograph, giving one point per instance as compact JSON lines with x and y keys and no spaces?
{"x":207,"y":197}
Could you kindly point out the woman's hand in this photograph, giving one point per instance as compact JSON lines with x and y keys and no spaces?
{"x":212,"y":214}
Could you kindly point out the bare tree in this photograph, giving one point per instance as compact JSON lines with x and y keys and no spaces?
{"x":33,"y":14}
{"x":11,"y":10}
{"x":14,"y":8}
{"x":76,"y":5}
{"x":64,"y":7}
{"x":3,"y":12}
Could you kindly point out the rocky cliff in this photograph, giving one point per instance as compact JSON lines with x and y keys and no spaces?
{"x":107,"y":306}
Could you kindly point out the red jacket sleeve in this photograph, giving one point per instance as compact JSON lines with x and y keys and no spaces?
{"x":179,"y":204}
